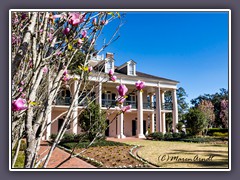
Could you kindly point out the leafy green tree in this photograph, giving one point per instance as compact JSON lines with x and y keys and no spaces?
{"x":196,"y":121}
{"x":92,"y":121}
{"x":216,"y":101}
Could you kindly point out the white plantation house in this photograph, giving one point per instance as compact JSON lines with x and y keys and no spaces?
{"x":148,"y":107}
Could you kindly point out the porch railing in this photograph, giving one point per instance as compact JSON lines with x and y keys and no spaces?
{"x":132,"y":103}
{"x":107,"y":103}
{"x":167,"y":106}
{"x":148,"y":105}
{"x":63,"y":100}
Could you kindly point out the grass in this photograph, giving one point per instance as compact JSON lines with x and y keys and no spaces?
{"x":20,"y":159}
{"x":169,"y":154}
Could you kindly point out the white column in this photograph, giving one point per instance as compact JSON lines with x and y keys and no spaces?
{"x":158,"y":110}
{"x":98,"y":94}
{"x":163,"y":114}
{"x":175,"y":110}
{"x":152,"y":124}
{"x":140,"y":116}
{"x":49,"y":125}
{"x":120,"y":134}
{"x":75,"y":108}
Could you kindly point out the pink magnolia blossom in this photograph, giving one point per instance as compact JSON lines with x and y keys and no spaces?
{"x":94,"y":21}
{"x":110,"y":73}
{"x":22,"y":82}
{"x":66,"y":31}
{"x":45,"y":70}
{"x":57,"y":16}
{"x":80,"y":41}
{"x":65,"y":72}
{"x":59,"y":52}
{"x":75,"y":19}
{"x":84,"y":33}
{"x":140,"y":85}
{"x":113,"y":78}
{"x":66,"y":78}
{"x":20,"y":89}
{"x":19,"y":104}
{"x":90,"y":68}
{"x":23,"y":95}
{"x":24,"y":16}
{"x":126,"y":108}
{"x":121,"y":100}
{"x":103,"y":22}
{"x":122,"y":90}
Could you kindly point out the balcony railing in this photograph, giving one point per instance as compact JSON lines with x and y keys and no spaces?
{"x":107,"y":103}
{"x":63,"y":100}
{"x":132,"y":103}
{"x":167,"y":106}
{"x":148,"y":105}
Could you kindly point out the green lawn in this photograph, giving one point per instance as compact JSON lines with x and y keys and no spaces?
{"x":182,"y":154}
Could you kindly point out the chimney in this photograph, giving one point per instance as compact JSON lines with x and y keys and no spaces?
{"x":109,"y":55}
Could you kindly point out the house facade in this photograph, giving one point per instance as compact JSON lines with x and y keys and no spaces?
{"x":148,"y":107}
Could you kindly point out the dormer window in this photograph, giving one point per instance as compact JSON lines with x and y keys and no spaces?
{"x":108,"y":66}
{"x":132,"y":68}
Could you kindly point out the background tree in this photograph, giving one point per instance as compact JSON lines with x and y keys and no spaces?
{"x":44,"y":45}
{"x":196,"y":121}
{"x":224,"y":113}
{"x":207,"y":108}
{"x":216,"y":99}
{"x":93,"y":121}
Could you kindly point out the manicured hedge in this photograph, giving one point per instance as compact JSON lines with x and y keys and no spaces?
{"x":167,"y":136}
{"x":219,"y":134}
{"x":214,"y":130}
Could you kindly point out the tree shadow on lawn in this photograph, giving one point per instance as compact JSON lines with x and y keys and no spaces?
{"x":199,"y":164}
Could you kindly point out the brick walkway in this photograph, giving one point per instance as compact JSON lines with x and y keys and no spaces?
{"x":59,"y":155}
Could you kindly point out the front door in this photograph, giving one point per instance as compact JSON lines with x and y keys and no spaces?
{"x":60,"y":123}
{"x":107,"y":130}
{"x":134,"y":127}
{"x":144,"y":126}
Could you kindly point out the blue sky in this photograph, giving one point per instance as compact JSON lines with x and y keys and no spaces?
{"x":190,"y":47}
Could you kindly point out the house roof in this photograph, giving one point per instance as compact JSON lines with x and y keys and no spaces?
{"x":143,"y":75}
{"x":123,"y":65}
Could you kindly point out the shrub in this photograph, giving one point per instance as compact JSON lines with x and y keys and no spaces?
{"x":196,"y":121}
{"x":156,"y":136}
{"x":168,"y":136}
{"x":213,"y":130}
{"x":219,"y":134}
{"x":179,"y":126}
{"x":176,"y":135}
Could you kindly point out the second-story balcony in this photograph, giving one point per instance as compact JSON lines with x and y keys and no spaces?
{"x":148,"y":105}
{"x":132,"y":103}
{"x":65,"y":101}
{"x":107,"y":103}
{"x":167,"y":106}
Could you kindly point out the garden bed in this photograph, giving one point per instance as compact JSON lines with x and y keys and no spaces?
{"x":110,"y":154}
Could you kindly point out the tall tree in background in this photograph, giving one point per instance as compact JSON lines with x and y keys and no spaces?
{"x":224,"y":113}
{"x":207,"y":108}
{"x":216,"y":101}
